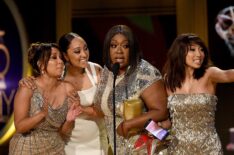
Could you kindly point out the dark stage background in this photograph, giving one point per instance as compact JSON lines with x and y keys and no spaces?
{"x":155,"y":33}
{"x":221,"y":57}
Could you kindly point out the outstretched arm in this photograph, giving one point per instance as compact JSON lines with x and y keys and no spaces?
{"x":217,"y":75}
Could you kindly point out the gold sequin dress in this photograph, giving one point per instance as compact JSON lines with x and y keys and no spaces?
{"x":193,"y":125}
{"x":45,"y":138}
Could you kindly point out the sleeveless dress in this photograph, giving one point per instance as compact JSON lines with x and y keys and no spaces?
{"x":193,"y":124}
{"x":45,"y":138}
{"x":85,"y":137}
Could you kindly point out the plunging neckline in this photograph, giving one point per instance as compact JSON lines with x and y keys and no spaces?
{"x":49,"y":105}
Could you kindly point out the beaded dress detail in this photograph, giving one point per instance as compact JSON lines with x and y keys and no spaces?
{"x":193,"y":124}
{"x":136,"y":83}
{"x":43,"y":139}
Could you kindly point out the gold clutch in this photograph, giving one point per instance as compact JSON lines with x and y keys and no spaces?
{"x":132,"y":108}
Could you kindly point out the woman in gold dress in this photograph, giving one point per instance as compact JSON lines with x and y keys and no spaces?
{"x":191,"y":84}
{"x":41,"y":114}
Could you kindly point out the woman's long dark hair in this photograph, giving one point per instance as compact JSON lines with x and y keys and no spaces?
{"x":174,"y":68}
{"x":134,"y":49}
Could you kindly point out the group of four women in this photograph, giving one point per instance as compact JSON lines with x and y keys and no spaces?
{"x":73,"y":114}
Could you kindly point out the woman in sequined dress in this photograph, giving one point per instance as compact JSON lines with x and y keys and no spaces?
{"x":191,"y":83}
{"x":136,"y":79}
{"x":41,"y":114}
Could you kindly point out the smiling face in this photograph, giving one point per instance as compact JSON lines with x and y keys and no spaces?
{"x":119,"y":51}
{"x":195,"y":56}
{"x":78,"y":53}
{"x":55,"y":64}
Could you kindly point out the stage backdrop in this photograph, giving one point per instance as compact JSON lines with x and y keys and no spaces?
{"x":222,"y":56}
{"x":155,"y":34}
{"x":12,"y":63}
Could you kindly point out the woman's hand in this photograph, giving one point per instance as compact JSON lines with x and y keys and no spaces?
{"x":166,"y":124}
{"x":28,"y":82}
{"x":73,"y":112}
{"x":122,"y":130}
{"x":75,"y":108}
{"x":91,"y":111}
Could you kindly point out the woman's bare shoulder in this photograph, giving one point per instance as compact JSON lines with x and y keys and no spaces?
{"x":211,"y":71}
{"x":97,"y":67}
{"x":68,"y":85}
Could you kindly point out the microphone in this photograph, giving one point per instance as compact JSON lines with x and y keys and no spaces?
{"x":115,"y":70}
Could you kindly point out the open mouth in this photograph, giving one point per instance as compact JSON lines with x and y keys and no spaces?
{"x":198,"y":61}
{"x":119,"y":60}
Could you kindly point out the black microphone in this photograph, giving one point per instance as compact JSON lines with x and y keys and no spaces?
{"x":115,"y":70}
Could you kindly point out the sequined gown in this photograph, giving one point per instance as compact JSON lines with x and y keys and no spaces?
{"x":126,"y":87}
{"x":45,"y":138}
{"x":193,"y":123}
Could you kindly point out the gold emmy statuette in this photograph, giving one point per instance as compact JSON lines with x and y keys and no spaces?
{"x":132,"y":109}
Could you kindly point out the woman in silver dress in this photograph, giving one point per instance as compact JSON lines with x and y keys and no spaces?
{"x":191,"y":83}
{"x":138,"y":82}
{"x":41,"y":114}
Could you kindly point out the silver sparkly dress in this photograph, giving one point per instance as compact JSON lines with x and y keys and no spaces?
{"x":126,"y":87}
{"x":45,"y":138}
{"x":193,"y":124}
